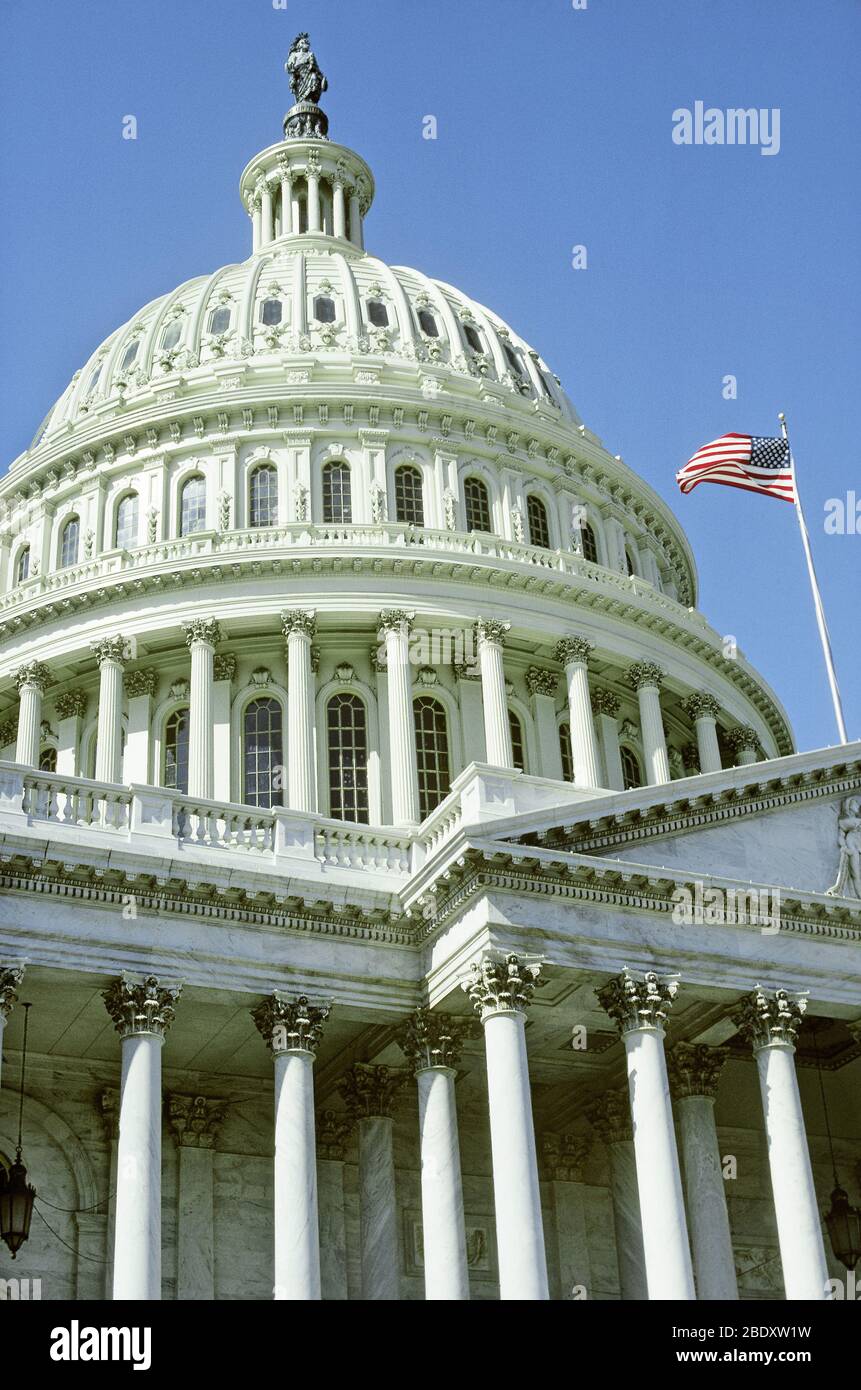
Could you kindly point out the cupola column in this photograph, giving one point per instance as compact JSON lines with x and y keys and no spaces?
{"x":32,"y":681}
{"x":490,"y":636}
{"x":292,"y":1029}
{"x":501,"y":990}
{"x":110,"y":653}
{"x":201,"y":634}
{"x":265,"y":214}
{"x":646,"y":677}
{"x":573,"y":654}
{"x":770,"y":1020}
{"x":313,"y":182}
{"x":286,"y":203}
{"x":355,"y":220}
{"x":299,"y":627}
{"x":142,"y":1013}
{"x":639,"y":1008}
{"x":395,"y":626}
{"x":704,"y":710}
{"x":339,"y":210}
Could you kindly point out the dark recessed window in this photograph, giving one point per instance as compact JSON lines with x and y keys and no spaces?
{"x":262,"y":754}
{"x":566,"y":752}
{"x":22,"y":568}
{"x":324,"y":309}
{"x":588,"y":543}
{"x":517,"y":750}
{"x":477,"y":505}
{"x":347,"y":738}
{"x":48,"y":760}
{"x":631,"y":775}
{"x":378,"y":314}
{"x":432,"y":753}
{"x":539,"y":526}
{"x":337,"y":501}
{"x":220,"y":320}
{"x":514,"y":361}
{"x":427,"y":323}
{"x":176,"y":751}
{"x":473,"y":337}
{"x":409,"y":502}
{"x":171,"y":336}
{"x":264,"y":496}
{"x":629,"y":562}
{"x":271,"y":312}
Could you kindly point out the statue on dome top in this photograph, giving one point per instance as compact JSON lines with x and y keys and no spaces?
{"x":305,"y":120}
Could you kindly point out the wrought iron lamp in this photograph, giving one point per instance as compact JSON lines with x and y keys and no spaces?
{"x":17,"y":1195}
{"x":842,"y":1220}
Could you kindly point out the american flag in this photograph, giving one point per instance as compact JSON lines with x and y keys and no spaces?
{"x":742,"y":460}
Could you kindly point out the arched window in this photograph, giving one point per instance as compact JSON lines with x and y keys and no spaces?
{"x":473,"y":337}
{"x":129,"y":355}
{"x":69,"y":542}
{"x":427,"y":323}
{"x":324,"y":309}
{"x":347,"y":734}
{"x":337,"y":503}
{"x":22,"y":565}
{"x":262,"y":753}
{"x":631,"y":775}
{"x":518,"y":751}
{"x":432,"y":752}
{"x":566,"y":753}
{"x":171,"y":336}
{"x":271,"y":312}
{"x":477,"y":505}
{"x":378,"y":314}
{"x":126,"y":532}
{"x":94,"y":378}
{"x":176,"y":751}
{"x":409,"y":500}
{"x":263,"y":499}
{"x":588,"y":543}
{"x":192,"y":506}
{"x":48,"y":760}
{"x":539,"y":526}
{"x":219,"y":319}
{"x":513,"y":360}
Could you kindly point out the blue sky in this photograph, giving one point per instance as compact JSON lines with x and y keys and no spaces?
{"x":554,"y":129}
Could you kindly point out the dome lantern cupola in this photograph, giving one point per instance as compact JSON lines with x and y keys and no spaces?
{"x":306,"y":185}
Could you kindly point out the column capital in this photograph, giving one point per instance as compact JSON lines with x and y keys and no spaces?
{"x":540,"y":681}
{"x":701,"y":706}
{"x":638,"y":1003}
{"x":563,"y":1156}
{"x":141,"y":1006}
{"x":71,"y":704}
{"x":694,"y":1069}
{"x":301,"y":620}
{"x":224,"y":666}
{"x":10,"y":979}
{"x":768,"y":1017}
{"x":33,"y":673}
{"x":742,"y":737}
{"x":202,"y":630}
{"x":396,"y":620}
{"x":501,"y":986}
{"x":610,"y":1117}
{"x":371,"y":1090}
{"x":290,"y":1024}
{"x":333,"y":1130}
{"x":644,"y":674}
{"x":195,"y":1121}
{"x":605,"y":702}
{"x":110,"y":649}
{"x":569,"y":650}
{"x":430,"y":1039}
{"x":491,"y":630}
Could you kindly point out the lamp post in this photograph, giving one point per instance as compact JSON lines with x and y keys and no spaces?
{"x":17,"y":1195}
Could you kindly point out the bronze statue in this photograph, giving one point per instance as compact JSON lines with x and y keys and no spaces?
{"x":307,"y":82}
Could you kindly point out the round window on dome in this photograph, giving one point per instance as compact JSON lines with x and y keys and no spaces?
{"x":427,"y":323}
{"x":219,"y":321}
{"x":171,"y":336}
{"x":271,"y":312}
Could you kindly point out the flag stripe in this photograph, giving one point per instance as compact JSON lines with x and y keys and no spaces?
{"x":752,"y":462}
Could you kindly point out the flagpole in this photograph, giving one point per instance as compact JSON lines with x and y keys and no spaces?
{"x":817,"y":597}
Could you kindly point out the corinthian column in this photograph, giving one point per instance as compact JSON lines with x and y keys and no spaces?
{"x":611,"y":1117}
{"x":195,"y":1122}
{"x":605,"y":708}
{"x":490,"y":637}
{"x":431,"y":1043}
{"x":332,"y":1132}
{"x":299,"y":627}
{"x":744,"y":742}
{"x":292,"y":1029}
{"x":639,"y":1008}
{"x":395,"y":626}
{"x":142,"y":1014}
{"x":704,"y":710}
{"x":10,"y":979}
{"x":109,"y":653}
{"x":501,"y":990}
{"x":646,"y":677}
{"x":770,"y":1020}
{"x":32,"y":681}
{"x":201,"y":634}
{"x":573,"y":654}
{"x":694,"y":1071}
{"x":370,"y":1094}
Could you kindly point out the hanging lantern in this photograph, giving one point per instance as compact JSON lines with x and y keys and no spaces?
{"x":844,"y":1229}
{"x":17,"y":1196}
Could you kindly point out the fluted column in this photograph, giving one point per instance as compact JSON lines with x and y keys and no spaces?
{"x":639,"y":1008}
{"x":292,"y":1029}
{"x":490,"y":637}
{"x":201,"y":634}
{"x":431,"y":1043}
{"x":32,"y":681}
{"x":704,"y":710}
{"x":332,"y":1132}
{"x":646,"y":678}
{"x":299,"y":626}
{"x":501,"y":990}
{"x":10,"y":980}
{"x":265,"y":214}
{"x":770,"y":1020}
{"x":370,"y":1093}
{"x":142,"y":1013}
{"x":355,"y":220}
{"x":339,"y":210}
{"x":71,"y":708}
{"x":744,"y":742}
{"x":611,"y":1117}
{"x":109,"y":653}
{"x":195,"y":1122}
{"x":395,"y":626}
{"x":694,"y":1071}
{"x":605,"y":709}
{"x":573,"y":654}
{"x":313,"y":201}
